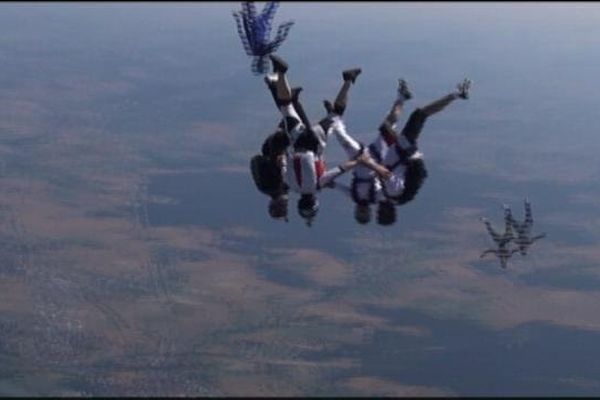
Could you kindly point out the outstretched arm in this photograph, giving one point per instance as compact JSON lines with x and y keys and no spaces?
{"x":333,"y":173}
{"x":375,"y":166}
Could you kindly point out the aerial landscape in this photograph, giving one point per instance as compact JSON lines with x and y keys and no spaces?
{"x":139,"y":258}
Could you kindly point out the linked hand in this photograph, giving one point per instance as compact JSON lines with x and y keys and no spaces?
{"x":385,"y":173}
{"x":364,"y":158}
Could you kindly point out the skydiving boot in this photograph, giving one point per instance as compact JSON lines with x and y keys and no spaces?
{"x":351,"y":74}
{"x":403,"y":92}
{"x":463,"y":88}
{"x":278,"y":64}
{"x":341,"y":100}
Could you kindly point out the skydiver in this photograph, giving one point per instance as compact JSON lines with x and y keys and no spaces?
{"x":365,"y":186}
{"x":302,"y":164}
{"x":268,"y":180}
{"x":523,"y":239}
{"x":502,"y":252}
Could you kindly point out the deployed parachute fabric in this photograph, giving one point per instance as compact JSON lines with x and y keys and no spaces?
{"x":254,"y":32}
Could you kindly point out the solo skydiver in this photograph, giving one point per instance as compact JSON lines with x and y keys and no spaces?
{"x":502,"y":252}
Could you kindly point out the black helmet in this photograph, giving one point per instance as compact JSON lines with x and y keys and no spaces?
{"x":308,"y":206}
{"x":362,"y":213}
{"x":386,"y":213}
{"x":278,"y":207}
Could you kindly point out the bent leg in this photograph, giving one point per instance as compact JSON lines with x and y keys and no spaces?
{"x":298,"y":107}
{"x":385,"y":139}
{"x":392,"y":116}
{"x":462,"y":92}
{"x":291,"y":121}
{"x":348,"y":143}
{"x":413,"y":128}
{"x":280,"y":88}
{"x":387,"y":134}
{"x":283,"y":92}
{"x":271,"y":86}
{"x":439,"y":104}
{"x":284,"y":104}
{"x":341,"y":100}
{"x":275,"y":144}
{"x":403,"y":94}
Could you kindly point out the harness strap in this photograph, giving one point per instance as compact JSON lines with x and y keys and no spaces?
{"x":371,"y":180}
{"x":363,"y":180}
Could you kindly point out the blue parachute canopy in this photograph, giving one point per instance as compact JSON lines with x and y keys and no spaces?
{"x":255,"y":31}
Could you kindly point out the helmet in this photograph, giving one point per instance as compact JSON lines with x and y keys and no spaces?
{"x":362,"y":213}
{"x":308,"y":206}
{"x":386,"y":213}
{"x":278,"y":207}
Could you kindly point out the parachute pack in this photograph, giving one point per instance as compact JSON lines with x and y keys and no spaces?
{"x":266,"y":175}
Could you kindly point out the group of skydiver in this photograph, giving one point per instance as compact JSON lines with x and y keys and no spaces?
{"x":523,"y":239}
{"x":387,"y":172}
